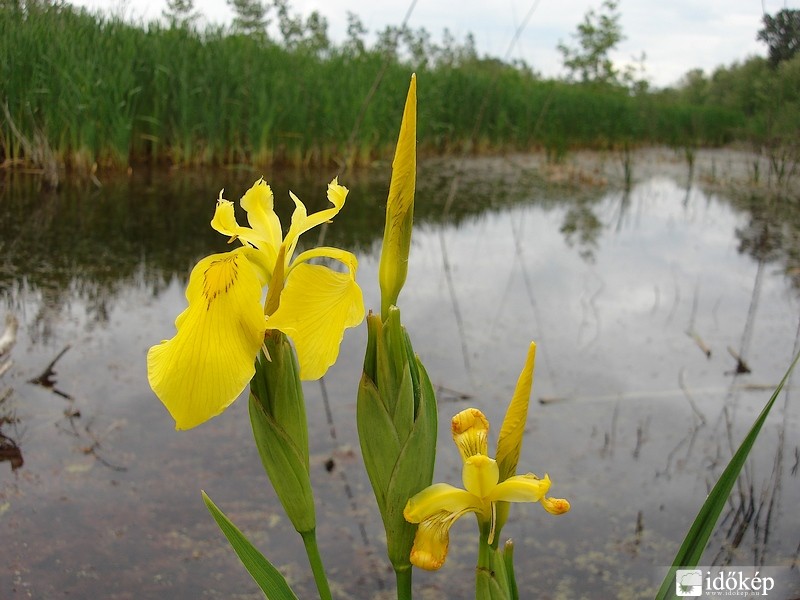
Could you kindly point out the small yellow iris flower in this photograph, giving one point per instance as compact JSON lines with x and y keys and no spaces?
{"x":438,"y":506}
{"x":203,"y":369}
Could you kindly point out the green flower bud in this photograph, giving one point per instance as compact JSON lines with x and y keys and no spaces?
{"x":278,"y":417}
{"x":397,"y":427}
{"x":400,"y":207}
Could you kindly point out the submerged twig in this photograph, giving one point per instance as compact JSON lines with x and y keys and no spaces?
{"x":47,"y":378}
{"x":742,"y":368}
{"x":700,"y":343}
{"x":10,"y":451}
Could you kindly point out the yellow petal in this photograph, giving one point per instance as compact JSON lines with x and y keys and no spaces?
{"x":259,"y":203}
{"x":439,"y":498}
{"x":480,"y":475}
{"x":509,"y":443}
{"x":316,"y":306}
{"x":302,"y":221}
{"x":224,"y":219}
{"x":555,"y":506}
{"x":521,"y":488}
{"x":431,"y":541}
{"x":208,"y":363}
{"x":470,"y":431}
{"x":400,"y":206}
{"x":225,"y":222}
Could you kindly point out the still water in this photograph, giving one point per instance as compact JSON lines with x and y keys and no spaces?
{"x":640,"y":301}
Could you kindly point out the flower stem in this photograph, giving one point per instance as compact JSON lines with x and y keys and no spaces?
{"x":403,"y":583}
{"x":484,"y":549}
{"x":314,"y":558}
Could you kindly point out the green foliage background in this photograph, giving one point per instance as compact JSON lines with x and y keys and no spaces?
{"x":102,"y":91}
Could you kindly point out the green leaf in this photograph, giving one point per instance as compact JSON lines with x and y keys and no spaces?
{"x":696,"y":539}
{"x":508,"y":559}
{"x":268,"y":578}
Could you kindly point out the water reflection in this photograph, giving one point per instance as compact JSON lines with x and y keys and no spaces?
{"x":636,"y":416}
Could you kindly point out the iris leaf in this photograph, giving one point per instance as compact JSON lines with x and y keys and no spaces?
{"x":268,"y":578}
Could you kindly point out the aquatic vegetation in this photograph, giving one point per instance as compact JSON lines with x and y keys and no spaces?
{"x":100,"y":92}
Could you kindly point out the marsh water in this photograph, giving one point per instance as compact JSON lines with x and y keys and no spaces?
{"x":665,"y":312}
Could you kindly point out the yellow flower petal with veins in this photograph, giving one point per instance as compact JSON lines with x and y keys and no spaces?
{"x":265,"y":233}
{"x":470,"y":430}
{"x":436,"y":508}
{"x":259,"y":204}
{"x":208,"y":363}
{"x":316,"y":306}
{"x":431,"y":542}
{"x":521,"y":488}
{"x":435,"y":499}
{"x":480,"y":475}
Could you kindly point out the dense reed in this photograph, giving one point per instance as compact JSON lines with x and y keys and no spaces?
{"x":102,"y":91}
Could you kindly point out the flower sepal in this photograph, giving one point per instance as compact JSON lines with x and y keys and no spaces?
{"x":278,"y":418}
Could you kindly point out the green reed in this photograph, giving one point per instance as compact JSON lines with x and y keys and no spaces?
{"x":106,"y":92}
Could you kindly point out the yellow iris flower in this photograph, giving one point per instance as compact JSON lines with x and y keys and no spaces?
{"x":203,"y":369}
{"x":438,"y":506}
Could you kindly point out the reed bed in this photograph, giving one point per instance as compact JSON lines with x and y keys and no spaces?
{"x":103,"y":93}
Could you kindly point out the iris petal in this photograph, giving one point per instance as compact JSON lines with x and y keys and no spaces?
{"x":316,"y":306}
{"x":521,"y":488}
{"x":302,"y":221}
{"x":225,"y":222}
{"x":470,"y":429}
{"x":480,"y":474}
{"x":432,"y":540}
{"x":259,"y":204}
{"x":555,"y":506}
{"x":438,"y":498}
{"x":208,"y":363}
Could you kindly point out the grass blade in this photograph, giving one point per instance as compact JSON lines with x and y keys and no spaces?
{"x":696,"y":539}
{"x":268,"y":578}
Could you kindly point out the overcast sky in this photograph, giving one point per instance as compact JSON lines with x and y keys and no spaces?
{"x":675,"y":35}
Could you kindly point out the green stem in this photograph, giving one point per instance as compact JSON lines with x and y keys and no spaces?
{"x":403,"y":583}
{"x":484,"y":548}
{"x":314,"y":558}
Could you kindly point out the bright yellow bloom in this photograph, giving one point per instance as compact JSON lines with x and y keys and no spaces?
{"x":201,"y":371}
{"x":437,"y":507}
